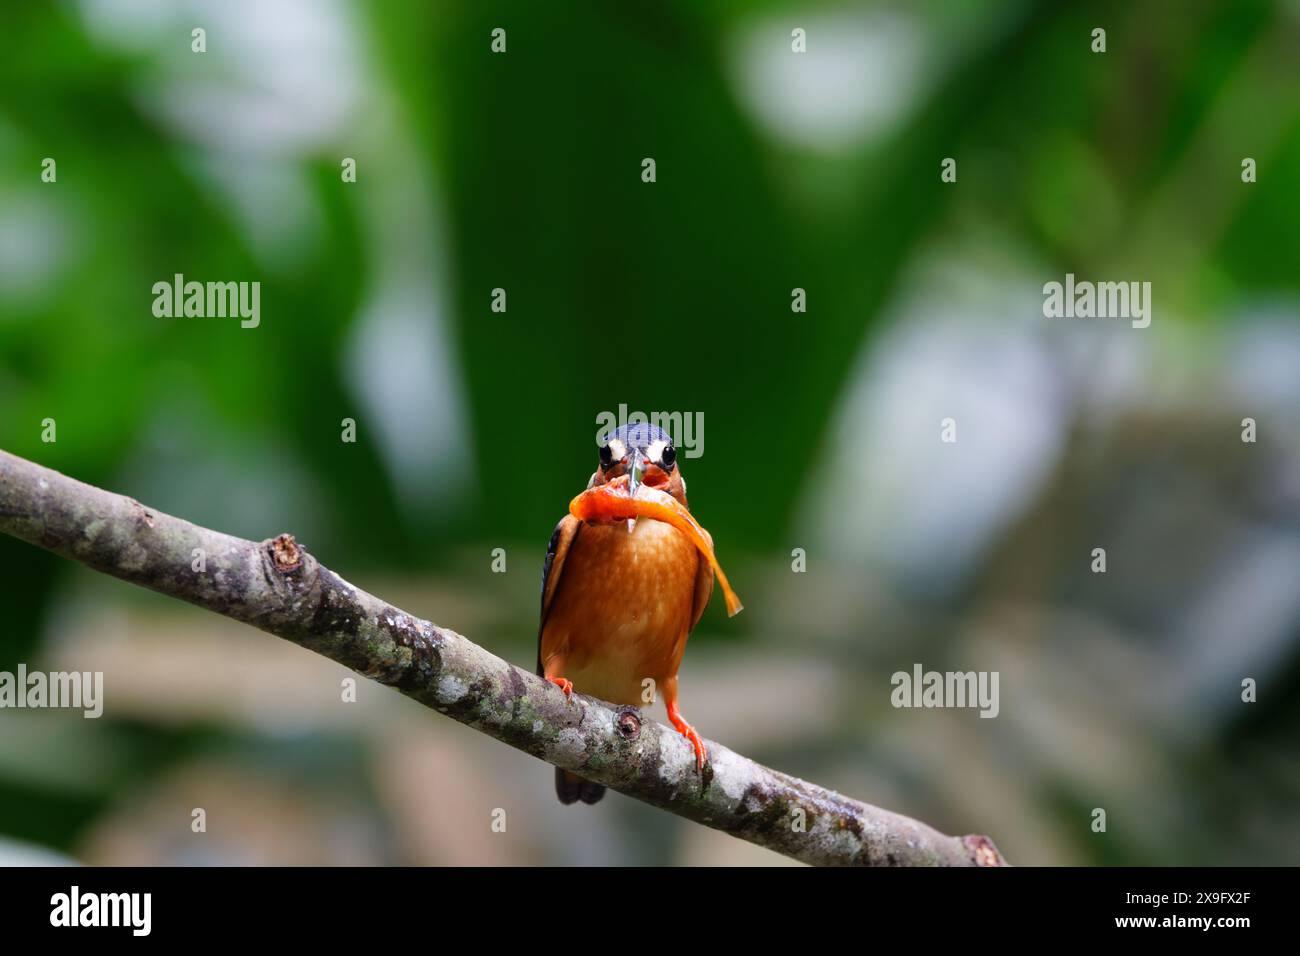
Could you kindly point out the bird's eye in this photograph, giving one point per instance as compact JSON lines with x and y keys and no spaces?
{"x":668,"y":457}
{"x":606,"y":456}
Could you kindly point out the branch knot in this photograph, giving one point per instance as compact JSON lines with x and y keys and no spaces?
{"x":628,"y":723}
{"x":286,"y":556}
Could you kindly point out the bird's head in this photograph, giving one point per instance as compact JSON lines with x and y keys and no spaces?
{"x":644,"y":453}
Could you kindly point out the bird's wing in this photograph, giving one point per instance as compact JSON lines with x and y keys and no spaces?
{"x":556,"y":551}
{"x":703,"y":583}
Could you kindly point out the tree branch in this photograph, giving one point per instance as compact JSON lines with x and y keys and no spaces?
{"x":278,"y":586}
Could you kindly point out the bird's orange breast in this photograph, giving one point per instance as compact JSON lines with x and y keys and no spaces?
{"x":623,"y":609}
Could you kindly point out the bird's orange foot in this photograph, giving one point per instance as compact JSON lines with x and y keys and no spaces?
{"x":564,"y":685}
{"x":701,"y":755}
{"x":687,"y":731}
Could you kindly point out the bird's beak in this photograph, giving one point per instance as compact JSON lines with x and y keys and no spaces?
{"x":636,"y":463}
{"x":635,"y":473}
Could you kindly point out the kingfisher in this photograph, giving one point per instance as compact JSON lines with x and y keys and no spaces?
{"x":619,"y":599}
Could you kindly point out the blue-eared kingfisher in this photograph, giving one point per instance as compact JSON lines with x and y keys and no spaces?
{"x":619,"y":599}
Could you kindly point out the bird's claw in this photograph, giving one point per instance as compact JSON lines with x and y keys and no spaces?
{"x":697,"y":744}
{"x":564,"y":684}
{"x":701,"y":754}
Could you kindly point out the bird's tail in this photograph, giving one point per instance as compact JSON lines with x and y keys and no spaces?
{"x":571,"y":788}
